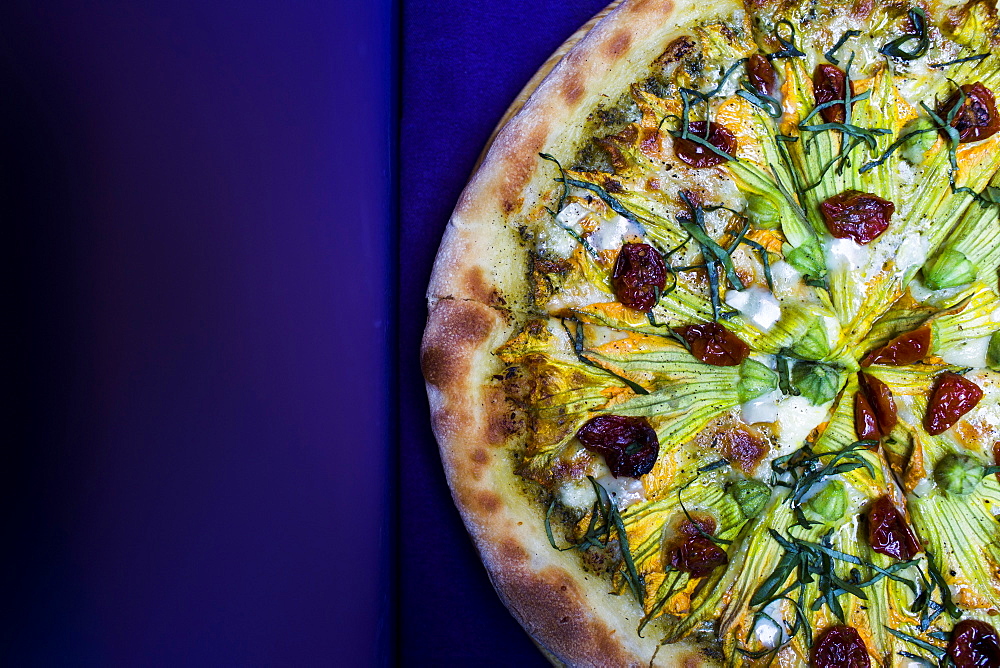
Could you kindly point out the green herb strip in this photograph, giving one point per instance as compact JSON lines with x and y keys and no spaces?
{"x":894,"y":49}
{"x":562,"y":201}
{"x":604,"y":516}
{"x":788,"y":48}
{"x":579,"y":348}
{"x":831,"y":54}
{"x":968,"y":59}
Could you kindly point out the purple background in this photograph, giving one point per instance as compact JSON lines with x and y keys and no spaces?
{"x":463,"y":64}
{"x":198,"y":238}
{"x":200,"y":468}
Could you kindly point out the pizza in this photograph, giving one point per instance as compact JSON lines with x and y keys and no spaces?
{"x":713,"y":346}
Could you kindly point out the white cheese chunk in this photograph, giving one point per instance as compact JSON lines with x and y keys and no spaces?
{"x":577,"y":494}
{"x":762,"y":409}
{"x":845,"y":255}
{"x":769,"y":628}
{"x":970,"y":352}
{"x":912,"y":253}
{"x":623,"y":490}
{"x":756,"y":304}
{"x":797,"y":418}
{"x":786,"y":279}
{"x":571,"y":215}
{"x":612,"y":233}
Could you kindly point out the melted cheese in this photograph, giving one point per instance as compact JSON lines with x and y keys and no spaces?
{"x":970,"y":352}
{"x":756,"y":304}
{"x":613,"y":233}
{"x":797,"y":418}
{"x":762,"y":409}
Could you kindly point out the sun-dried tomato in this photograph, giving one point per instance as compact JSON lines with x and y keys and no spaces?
{"x":762,"y":75}
{"x":629,"y":444}
{"x":840,"y":647}
{"x":856,"y":215}
{"x":829,"y":84}
{"x":888,"y":532}
{"x":698,"y":556}
{"x":696,"y":154}
{"x":639,"y":276}
{"x":880,"y":398}
{"x":904,"y":349}
{"x":996,"y":456}
{"x":974,"y":644}
{"x":953,"y":396}
{"x":977,"y":118}
{"x":698,"y":525}
{"x":865,"y":422}
{"x":714,"y":344}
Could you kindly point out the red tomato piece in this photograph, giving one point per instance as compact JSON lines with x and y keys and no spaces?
{"x":888,"y":532}
{"x":714,"y":344}
{"x":880,"y":398}
{"x":639,"y":276}
{"x":829,"y":84}
{"x":996,"y":456}
{"x":904,"y":349}
{"x":698,"y":556}
{"x":865,"y":422}
{"x":762,"y":75}
{"x":629,"y":444}
{"x":697,"y":526}
{"x":953,"y":396}
{"x":840,"y":647}
{"x":856,"y":215}
{"x":974,"y":644}
{"x":697,"y":155}
{"x":977,"y":118}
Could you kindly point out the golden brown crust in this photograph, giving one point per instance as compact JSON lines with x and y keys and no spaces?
{"x":477,"y":294}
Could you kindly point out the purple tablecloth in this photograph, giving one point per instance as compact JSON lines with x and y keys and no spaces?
{"x":463,"y":64}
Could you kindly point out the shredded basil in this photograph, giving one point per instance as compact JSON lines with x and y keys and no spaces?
{"x":604,"y":517}
{"x":759,"y":99}
{"x":788,"y":48}
{"x":968,"y":59}
{"x":894,"y":49}
{"x":831,"y":54}
{"x":892,"y":148}
{"x":578,"y":348}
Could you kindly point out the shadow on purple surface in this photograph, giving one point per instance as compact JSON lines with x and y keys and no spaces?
{"x":463,"y":64}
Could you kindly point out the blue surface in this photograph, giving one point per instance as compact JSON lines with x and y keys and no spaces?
{"x":196,"y":205}
{"x":463,"y":64}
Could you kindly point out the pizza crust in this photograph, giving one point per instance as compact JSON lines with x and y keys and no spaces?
{"x":478,"y":296}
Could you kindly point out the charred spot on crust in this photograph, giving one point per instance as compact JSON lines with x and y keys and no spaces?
{"x":619,"y":45}
{"x":456,"y":327}
{"x":435,"y":364}
{"x":573,"y":90}
{"x":489,"y":501}
{"x":477,"y":287}
{"x":519,"y":167}
{"x":511,"y":551}
{"x":549,"y":603}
